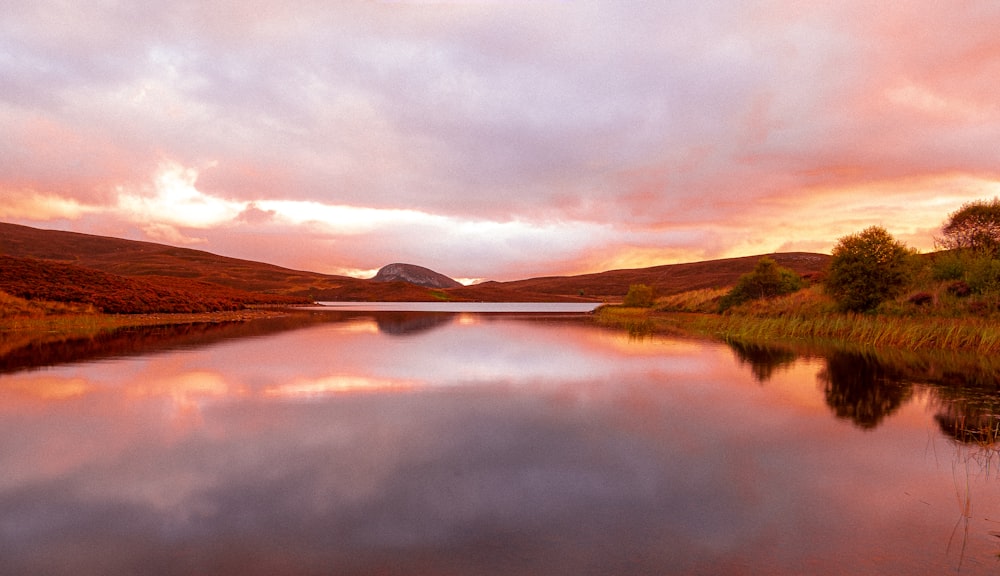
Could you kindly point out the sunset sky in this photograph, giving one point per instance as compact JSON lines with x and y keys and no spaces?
{"x":497,"y":139}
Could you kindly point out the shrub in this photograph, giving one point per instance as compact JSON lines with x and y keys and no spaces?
{"x":959,"y":289}
{"x":767,"y":280}
{"x":867,"y":268}
{"x":948,"y":265}
{"x":639,"y":296}
{"x":978,"y":270}
{"x":983,"y":274}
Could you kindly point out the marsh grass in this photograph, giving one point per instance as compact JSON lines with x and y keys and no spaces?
{"x":811,"y":315}
{"x":636,"y":321}
{"x":705,"y":301}
{"x":969,"y":334}
{"x":12,"y":307}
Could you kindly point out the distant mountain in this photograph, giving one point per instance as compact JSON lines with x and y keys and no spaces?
{"x":398,"y":272}
{"x":48,"y":263}
{"x":665,"y":279}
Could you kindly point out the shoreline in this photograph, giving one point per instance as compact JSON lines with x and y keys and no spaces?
{"x":865,"y":332}
{"x":69,"y":323}
{"x":858,"y":331}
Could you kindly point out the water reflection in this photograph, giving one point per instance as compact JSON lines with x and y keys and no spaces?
{"x":861,"y":389}
{"x":482,"y":445}
{"x":763,"y":361}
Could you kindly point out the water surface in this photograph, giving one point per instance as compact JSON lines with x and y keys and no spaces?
{"x":365,"y":442}
{"x":480,"y":307}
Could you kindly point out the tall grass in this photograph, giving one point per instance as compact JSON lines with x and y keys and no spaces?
{"x":810,"y":315}
{"x":12,"y":307}
{"x":705,"y":300}
{"x":969,"y":334}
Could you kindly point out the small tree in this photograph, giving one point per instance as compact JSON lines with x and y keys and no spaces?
{"x":975,"y":226}
{"x":767,"y":280}
{"x":639,"y":296}
{"x":867,"y":268}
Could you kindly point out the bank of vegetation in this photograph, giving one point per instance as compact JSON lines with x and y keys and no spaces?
{"x":876,"y":293}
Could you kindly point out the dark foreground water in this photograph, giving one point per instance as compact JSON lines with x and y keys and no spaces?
{"x":414,"y":443}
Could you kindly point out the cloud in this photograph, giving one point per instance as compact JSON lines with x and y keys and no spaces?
{"x":520,"y":136}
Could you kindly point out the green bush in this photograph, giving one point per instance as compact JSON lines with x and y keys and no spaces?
{"x":979,"y":270}
{"x":867,"y":268}
{"x":767,"y":280}
{"x":983,"y":275}
{"x":948,"y":266}
{"x":639,"y":296}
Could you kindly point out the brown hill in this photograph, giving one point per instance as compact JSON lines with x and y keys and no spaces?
{"x":179,"y":274}
{"x":47,"y":280}
{"x":134,"y":258}
{"x":666,"y":279}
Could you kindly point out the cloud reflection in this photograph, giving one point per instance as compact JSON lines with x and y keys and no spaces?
{"x":488,"y":447}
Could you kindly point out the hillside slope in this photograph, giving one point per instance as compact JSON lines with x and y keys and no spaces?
{"x":665,"y":279}
{"x":47,"y":280}
{"x":136,"y":258}
{"x":205,"y":275}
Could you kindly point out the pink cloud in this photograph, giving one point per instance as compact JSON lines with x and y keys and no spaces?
{"x":677,"y":130}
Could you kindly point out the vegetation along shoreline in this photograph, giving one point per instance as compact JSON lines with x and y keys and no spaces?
{"x":874,"y":293}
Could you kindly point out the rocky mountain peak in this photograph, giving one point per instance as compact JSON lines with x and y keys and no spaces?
{"x":414,"y":274}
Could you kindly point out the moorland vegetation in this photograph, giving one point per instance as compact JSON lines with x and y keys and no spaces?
{"x":875,"y":293}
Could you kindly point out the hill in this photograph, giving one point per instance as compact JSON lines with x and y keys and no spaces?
{"x":49,"y":281}
{"x":414,"y":275}
{"x":117,"y":275}
{"x":666,"y":279}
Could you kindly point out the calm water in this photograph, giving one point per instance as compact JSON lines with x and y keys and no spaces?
{"x":352,"y":442}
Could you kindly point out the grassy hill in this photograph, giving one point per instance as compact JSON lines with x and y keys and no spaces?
{"x":665,"y":280}
{"x":117,"y":275}
{"x":49,"y":281}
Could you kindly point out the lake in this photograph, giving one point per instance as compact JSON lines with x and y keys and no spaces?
{"x":342,"y":441}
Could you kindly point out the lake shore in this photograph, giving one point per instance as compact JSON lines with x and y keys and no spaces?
{"x":89,"y":322}
{"x":865,"y":332}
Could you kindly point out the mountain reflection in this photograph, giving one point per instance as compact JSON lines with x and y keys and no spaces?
{"x":29,"y":351}
{"x":403,"y":323}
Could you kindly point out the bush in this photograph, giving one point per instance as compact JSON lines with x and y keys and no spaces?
{"x":639,"y":296}
{"x":767,"y":280}
{"x":867,"y":268}
{"x":978,"y":270}
{"x":983,"y":275}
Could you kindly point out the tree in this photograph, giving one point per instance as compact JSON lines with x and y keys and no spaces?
{"x":767,"y":280}
{"x":867,"y":268}
{"x":639,"y":296}
{"x":975,"y":226}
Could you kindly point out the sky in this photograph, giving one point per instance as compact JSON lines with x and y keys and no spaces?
{"x":497,"y":139}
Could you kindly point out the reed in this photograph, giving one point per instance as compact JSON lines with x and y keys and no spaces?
{"x":810,"y":315}
{"x":705,"y":300}
{"x":981,"y":336}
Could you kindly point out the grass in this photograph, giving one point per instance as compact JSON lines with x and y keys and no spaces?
{"x":33,"y":317}
{"x":440,"y":295}
{"x":809,"y":315}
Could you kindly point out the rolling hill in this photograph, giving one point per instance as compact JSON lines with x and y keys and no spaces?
{"x":665,"y":279}
{"x":118,"y":275}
